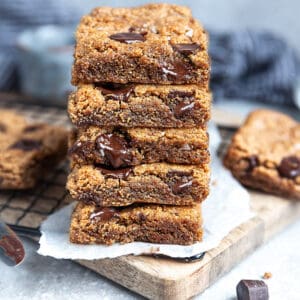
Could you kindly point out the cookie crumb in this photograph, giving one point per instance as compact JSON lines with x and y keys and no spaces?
{"x":214,"y":183}
{"x":267,"y":275}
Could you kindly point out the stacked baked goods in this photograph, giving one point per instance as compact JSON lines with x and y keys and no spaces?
{"x":139,"y":154}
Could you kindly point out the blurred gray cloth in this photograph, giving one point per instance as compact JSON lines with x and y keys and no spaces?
{"x":245,"y":65}
{"x":253,"y":65}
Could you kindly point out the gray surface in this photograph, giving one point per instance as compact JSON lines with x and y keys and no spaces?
{"x":46,"y":278}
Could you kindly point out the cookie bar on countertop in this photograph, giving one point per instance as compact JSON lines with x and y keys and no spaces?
{"x":265,"y":153}
{"x":158,"y":183}
{"x":155,"y":43}
{"x":27,"y":150}
{"x":123,"y":147}
{"x":161,"y":224}
{"x":139,"y":105}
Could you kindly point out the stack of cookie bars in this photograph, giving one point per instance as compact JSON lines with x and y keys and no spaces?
{"x":139,"y":155}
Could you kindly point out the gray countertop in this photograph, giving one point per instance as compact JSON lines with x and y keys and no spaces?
{"x":47,"y":278}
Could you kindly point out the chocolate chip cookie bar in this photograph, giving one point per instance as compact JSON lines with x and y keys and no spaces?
{"x":265,"y":153}
{"x":155,"y":43}
{"x":123,"y":147}
{"x":140,"y":105}
{"x":27,"y":150}
{"x":91,"y":224}
{"x":158,"y":183}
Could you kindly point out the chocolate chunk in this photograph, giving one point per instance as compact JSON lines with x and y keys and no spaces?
{"x":2,"y":128}
{"x":12,"y":249}
{"x":289,"y":167}
{"x":181,"y":95}
{"x":180,"y":181}
{"x":185,"y":103}
{"x":139,"y":30}
{"x":104,"y":214}
{"x":128,"y":37}
{"x":119,"y":92}
{"x":182,"y":109}
{"x":26,"y":145}
{"x":252,"y":290}
{"x":82,"y":149}
{"x":34,"y":127}
{"x":116,"y":174}
{"x":186,"y":49}
{"x":253,"y":162}
{"x":178,"y":71}
{"x":115,"y":149}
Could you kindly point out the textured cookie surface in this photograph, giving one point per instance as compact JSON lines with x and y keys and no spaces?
{"x":147,"y":223}
{"x":121,"y":147}
{"x":27,"y":150}
{"x":139,"y":105}
{"x":265,"y":153}
{"x":159,"y":183}
{"x":155,"y":43}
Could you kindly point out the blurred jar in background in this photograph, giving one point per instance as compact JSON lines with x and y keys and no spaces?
{"x":45,"y":57}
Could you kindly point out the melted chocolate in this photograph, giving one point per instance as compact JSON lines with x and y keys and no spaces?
{"x":119,"y":92}
{"x":2,"y":128}
{"x":180,"y":181}
{"x":26,"y":145}
{"x":12,"y":248}
{"x":183,"y":108}
{"x":181,"y":95}
{"x":139,"y":30}
{"x":178,"y":71}
{"x":289,"y":167}
{"x":185,"y":103}
{"x":128,"y":37}
{"x":32,"y":128}
{"x":104,"y":214}
{"x":116,"y":174}
{"x":253,"y":162}
{"x":82,"y":149}
{"x":186,"y":49}
{"x":115,"y":149}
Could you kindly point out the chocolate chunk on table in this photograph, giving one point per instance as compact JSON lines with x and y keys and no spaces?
{"x":252,"y":290}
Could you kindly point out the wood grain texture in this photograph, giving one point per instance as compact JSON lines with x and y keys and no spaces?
{"x":161,"y":278}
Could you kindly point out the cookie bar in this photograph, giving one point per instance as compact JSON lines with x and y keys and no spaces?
{"x":155,"y":43}
{"x":163,"y":224}
{"x":140,"y":105}
{"x":27,"y":150}
{"x":150,"y":183}
{"x":265,"y":153}
{"x":121,"y":147}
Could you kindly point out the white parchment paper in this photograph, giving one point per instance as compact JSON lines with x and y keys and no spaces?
{"x":226,"y":208}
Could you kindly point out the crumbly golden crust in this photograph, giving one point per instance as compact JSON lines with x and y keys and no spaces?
{"x":147,"y":223}
{"x":155,"y":55}
{"x":158,"y":183}
{"x":121,"y":147}
{"x":27,"y":150}
{"x":166,"y":106}
{"x":265,"y":153}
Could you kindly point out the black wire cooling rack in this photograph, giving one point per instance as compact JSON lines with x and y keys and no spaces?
{"x":25,"y":210}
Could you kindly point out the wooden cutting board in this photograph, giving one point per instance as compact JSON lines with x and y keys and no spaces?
{"x":161,"y":278}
